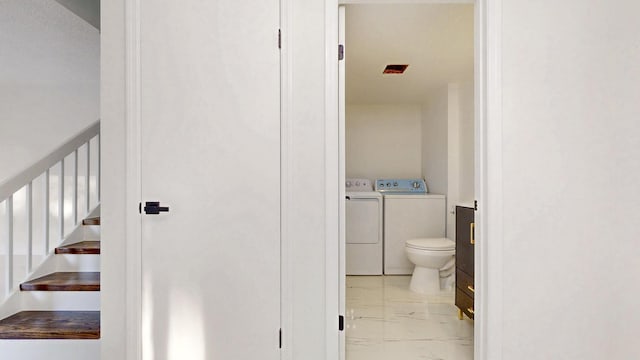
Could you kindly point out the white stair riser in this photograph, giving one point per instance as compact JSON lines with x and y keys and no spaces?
{"x":77,"y":263}
{"x":50,"y":300}
{"x":61,"y":300}
{"x":67,"y":263}
{"x":91,"y":232}
{"x":50,"y":349}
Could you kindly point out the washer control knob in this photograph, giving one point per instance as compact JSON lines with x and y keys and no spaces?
{"x":416,"y":185}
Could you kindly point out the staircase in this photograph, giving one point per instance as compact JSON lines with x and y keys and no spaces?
{"x":50,"y":257}
{"x":63,"y":303}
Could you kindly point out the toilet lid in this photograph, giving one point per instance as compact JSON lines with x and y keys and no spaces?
{"x":432,"y":244}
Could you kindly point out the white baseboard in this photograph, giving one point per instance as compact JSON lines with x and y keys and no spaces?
{"x":50,"y":349}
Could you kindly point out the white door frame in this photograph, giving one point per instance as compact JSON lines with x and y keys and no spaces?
{"x":488,"y":167}
{"x":134,"y":311}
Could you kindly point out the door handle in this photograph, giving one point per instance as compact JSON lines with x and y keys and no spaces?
{"x":154,"y":208}
{"x":472,"y":233}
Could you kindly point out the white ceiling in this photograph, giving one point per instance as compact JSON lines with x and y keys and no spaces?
{"x":436,"y":40}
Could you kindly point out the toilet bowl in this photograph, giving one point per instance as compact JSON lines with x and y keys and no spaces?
{"x":434,"y":263}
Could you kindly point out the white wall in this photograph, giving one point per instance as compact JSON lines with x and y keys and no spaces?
{"x":435,"y":114}
{"x":466,"y":153}
{"x":460,"y":150}
{"x":448,"y":145}
{"x":49,"y":80}
{"x":570,"y":173}
{"x":383,"y":141}
{"x":453,"y":156}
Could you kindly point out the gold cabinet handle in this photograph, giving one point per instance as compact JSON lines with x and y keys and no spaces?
{"x":472,"y":237}
{"x":471,"y":289}
{"x":470,"y":310}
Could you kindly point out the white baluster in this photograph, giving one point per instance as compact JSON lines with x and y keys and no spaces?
{"x":74,"y":206}
{"x":98,"y":137}
{"x":88,"y":176}
{"x":46,"y":211}
{"x":9,"y":249}
{"x":61,"y":199}
{"x":29,"y":207}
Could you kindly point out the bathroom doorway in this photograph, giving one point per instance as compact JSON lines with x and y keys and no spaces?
{"x":414,"y":121}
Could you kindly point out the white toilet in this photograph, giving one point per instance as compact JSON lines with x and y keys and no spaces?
{"x":434,"y":263}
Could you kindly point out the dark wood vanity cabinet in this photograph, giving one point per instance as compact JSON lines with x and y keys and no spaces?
{"x":464,"y":260}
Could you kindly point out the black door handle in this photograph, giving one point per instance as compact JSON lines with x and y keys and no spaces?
{"x":348,"y":197}
{"x":154,"y":208}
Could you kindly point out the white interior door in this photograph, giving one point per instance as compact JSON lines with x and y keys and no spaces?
{"x":342,"y":172}
{"x":210,"y":151}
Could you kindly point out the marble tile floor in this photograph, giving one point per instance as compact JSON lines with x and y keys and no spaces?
{"x":386,"y":321}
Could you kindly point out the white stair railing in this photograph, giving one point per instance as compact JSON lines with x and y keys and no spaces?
{"x":17,"y":194}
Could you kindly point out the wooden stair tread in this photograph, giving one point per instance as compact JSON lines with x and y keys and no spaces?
{"x":64,"y":281}
{"x":51,"y":325}
{"x":84,"y":247}
{"x":91,"y":221}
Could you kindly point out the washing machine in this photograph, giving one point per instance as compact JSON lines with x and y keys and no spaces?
{"x":363,"y":223}
{"x":409,"y":212}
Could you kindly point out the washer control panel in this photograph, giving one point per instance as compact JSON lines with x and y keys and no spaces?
{"x":358,"y":185}
{"x":406,"y":186}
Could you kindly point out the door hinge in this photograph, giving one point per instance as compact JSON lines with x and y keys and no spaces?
{"x":279,"y":39}
{"x":280,"y":339}
{"x":340,"y":52}
{"x":340,"y":322}
{"x":475,"y":205}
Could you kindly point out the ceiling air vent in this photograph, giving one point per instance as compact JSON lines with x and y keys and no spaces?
{"x":395,"y":69}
